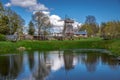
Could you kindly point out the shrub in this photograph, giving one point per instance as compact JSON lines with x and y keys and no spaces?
{"x":2,"y":37}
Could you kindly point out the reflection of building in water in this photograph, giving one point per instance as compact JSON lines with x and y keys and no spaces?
{"x":68,"y":61}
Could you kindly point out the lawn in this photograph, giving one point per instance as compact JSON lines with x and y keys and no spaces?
{"x":91,"y":43}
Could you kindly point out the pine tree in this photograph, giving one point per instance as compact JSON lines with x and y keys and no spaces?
{"x":31,"y":30}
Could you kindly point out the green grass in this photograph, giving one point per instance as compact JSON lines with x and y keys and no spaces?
{"x":91,"y":43}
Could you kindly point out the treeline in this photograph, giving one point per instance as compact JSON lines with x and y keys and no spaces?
{"x":110,"y":30}
{"x":106,"y":30}
{"x":10,"y":21}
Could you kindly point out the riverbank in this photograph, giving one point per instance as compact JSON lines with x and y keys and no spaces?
{"x":111,"y":45}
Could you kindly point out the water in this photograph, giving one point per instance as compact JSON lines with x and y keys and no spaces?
{"x":59,"y":65}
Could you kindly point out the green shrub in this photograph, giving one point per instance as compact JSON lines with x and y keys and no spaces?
{"x":2,"y":37}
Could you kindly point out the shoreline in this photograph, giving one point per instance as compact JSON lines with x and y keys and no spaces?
{"x":111,"y":45}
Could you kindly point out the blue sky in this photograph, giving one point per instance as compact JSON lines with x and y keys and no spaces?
{"x":103,"y":10}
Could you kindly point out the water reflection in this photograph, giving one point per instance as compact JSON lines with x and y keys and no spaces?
{"x":59,"y":65}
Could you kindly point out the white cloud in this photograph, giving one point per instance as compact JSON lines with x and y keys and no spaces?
{"x":24,"y":3}
{"x":46,"y":12}
{"x":76,"y":25}
{"x":56,"y":21}
{"x":30,"y":4}
{"x":8,"y":4}
{"x":38,"y":7}
{"x":57,"y":61}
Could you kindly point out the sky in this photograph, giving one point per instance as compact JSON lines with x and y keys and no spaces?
{"x":103,"y":10}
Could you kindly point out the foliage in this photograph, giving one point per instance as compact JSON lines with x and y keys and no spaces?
{"x":110,"y":29}
{"x":1,"y":9}
{"x":2,"y":37}
{"x":90,"y":26}
{"x":10,"y":21}
{"x":4,"y":25}
{"x":16,"y":23}
{"x":31,"y":30}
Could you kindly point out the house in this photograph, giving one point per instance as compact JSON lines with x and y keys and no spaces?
{"x":81,"y":33}
{"x":13,"y":37}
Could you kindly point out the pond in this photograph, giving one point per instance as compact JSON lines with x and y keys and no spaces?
{"x":59,"y":65}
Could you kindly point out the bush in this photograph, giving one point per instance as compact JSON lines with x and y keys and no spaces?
{"x":2,"y":37}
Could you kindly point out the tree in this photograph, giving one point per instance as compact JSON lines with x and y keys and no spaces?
{"x":42,"y":22}
{"x":87,"y":28}
{"x":90,"y":25}
{"x":31,"y":30}
{"x":4,"y":25}
{"x":110,"y":29}
{"x":10,"y":21}
{"x":4,"y":28}
{"x":90,"y":19}
{"x":1,"y":9}
{"x":16,"y":23}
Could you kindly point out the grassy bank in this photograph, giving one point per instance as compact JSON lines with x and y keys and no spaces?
{"x":112,"y":45}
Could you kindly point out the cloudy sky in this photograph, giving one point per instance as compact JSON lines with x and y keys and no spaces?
{"x":103,"y":10}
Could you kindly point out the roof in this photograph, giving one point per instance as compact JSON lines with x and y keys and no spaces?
{"x":68,"y":20}
{"x":81,"y":33}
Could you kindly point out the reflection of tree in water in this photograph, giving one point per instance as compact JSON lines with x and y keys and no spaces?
{"x":109,"y":60}
{"x":41,"y":69}
{"x":31,"y":59}
{"x":39,"y":64}
{"x":10,"y":66}
{"x":91,"y":61}
{"x":4,"y":66}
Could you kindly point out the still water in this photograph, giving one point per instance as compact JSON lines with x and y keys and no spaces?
{"x":59,"y":65}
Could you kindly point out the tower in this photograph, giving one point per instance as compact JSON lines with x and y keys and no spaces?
{"x":68,"y":28}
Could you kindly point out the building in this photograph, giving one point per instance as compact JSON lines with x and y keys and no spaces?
{"x":81,"y":33}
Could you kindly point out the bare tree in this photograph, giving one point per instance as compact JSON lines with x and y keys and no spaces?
{"x":42,"y":22}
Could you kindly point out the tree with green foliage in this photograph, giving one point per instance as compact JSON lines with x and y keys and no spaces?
{"x":4,"y":25}
{"x":10,"y":21}
{"x":87,"y":28}
{"x":2,"y":37}
{"x":1,"y":9}
{"x":31,"y":29}
{"x":90,"y":26}
{"x":4,"y":21}
{"x":16,"y":23}
{"x":110,"y":29}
